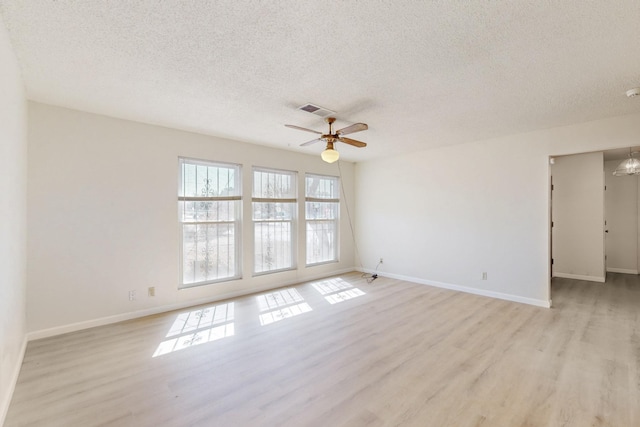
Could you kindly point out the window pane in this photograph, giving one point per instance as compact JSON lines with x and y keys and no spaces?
{"x":189,"y":180}
{"x":274,"y":184}
{"x":208,"y":211}
{"x":209,"y":252}
{"x":273,"y":247}
{"x":273,"y":211}
{"x":322,"y":187}
{"x":321,"y":245}
{"x":315,"y":210}
{"x":201,"y":180}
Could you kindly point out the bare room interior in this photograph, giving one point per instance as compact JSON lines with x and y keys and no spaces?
{"x":319,"y":213}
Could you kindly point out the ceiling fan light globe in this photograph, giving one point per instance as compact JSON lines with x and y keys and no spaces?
{"x":631,"y":166}
{"x":330,"y":155}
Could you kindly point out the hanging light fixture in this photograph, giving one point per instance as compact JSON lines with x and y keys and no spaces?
{"x":330,"y":155}
{"x":630,"y":166}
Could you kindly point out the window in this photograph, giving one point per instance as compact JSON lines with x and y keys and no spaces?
{"x":322,"y":207}
{"x":209,"y":204}
{"x":274,"y":213}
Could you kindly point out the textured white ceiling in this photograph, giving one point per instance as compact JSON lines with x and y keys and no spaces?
{"x":421,"y":73}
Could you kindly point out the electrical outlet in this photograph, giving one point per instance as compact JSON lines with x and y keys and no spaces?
{"x":484,"y":275}
{"x":132,"y":295}
{"x":152,"y":291}
{"x":381,"y":260}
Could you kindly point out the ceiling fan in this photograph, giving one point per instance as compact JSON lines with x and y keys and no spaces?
{"x":330,"y":155}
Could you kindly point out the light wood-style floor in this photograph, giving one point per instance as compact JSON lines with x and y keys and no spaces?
{"x":342,"y":352}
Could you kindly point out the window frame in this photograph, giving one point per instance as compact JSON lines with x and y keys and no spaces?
{"x":336,"y":220}
{"x":293,"y":221}
{"x":237,"y":221}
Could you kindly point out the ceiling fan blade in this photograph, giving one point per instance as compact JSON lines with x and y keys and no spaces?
{"x":356,"y":127}
{"x":310,"y":142}
{"x":305,"y":129}
{"x":352,"y":142}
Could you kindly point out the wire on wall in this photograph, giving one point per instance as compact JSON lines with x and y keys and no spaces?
{"x":370,"y":277}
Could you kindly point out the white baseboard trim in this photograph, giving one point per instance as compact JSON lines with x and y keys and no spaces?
{"x":466,"y":289}
{"x":4,"y":406}
{"x":86,"y":324}
{"x":621,"y":270}
{"x":580,"y":277}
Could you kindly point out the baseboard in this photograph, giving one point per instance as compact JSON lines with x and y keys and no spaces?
{"x":4,"y":406}
{"x":466,"y":289}
{"x":86,"y":324}
{"x":580,"y":277}
{"x":621,"y":270}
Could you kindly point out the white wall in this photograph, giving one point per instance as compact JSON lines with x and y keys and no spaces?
{"x":446,"y":215}
{"x":13,"y":214}
{"x":621,"y":214}
{"x":578,"y":217}
{"x":103,"y":217}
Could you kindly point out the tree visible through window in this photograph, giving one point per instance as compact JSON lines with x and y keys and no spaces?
{"x":274,"y":213}
{"x":209,"y":203}
{"x":322,"y":206}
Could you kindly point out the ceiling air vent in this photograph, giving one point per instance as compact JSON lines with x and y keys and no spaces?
{"x":317,"y":110}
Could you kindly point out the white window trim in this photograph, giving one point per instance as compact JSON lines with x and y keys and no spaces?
{"x":238,"y":221}
{"x":336,"y":220}
{"x":294,"y":221}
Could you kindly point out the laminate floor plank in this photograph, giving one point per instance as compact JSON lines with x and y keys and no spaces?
{"x":344,"y":352}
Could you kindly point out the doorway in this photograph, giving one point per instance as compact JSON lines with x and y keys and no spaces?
{"x":594,"y":216}
{"x":577,"y":212}
{"x":621,"y":218}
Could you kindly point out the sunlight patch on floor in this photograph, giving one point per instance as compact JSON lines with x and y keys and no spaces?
{"x":280,"y":305}
{"x":337,"y":290}
{"x":198,"y":327}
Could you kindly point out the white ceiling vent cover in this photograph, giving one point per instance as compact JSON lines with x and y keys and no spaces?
{"x":317,"y":110}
